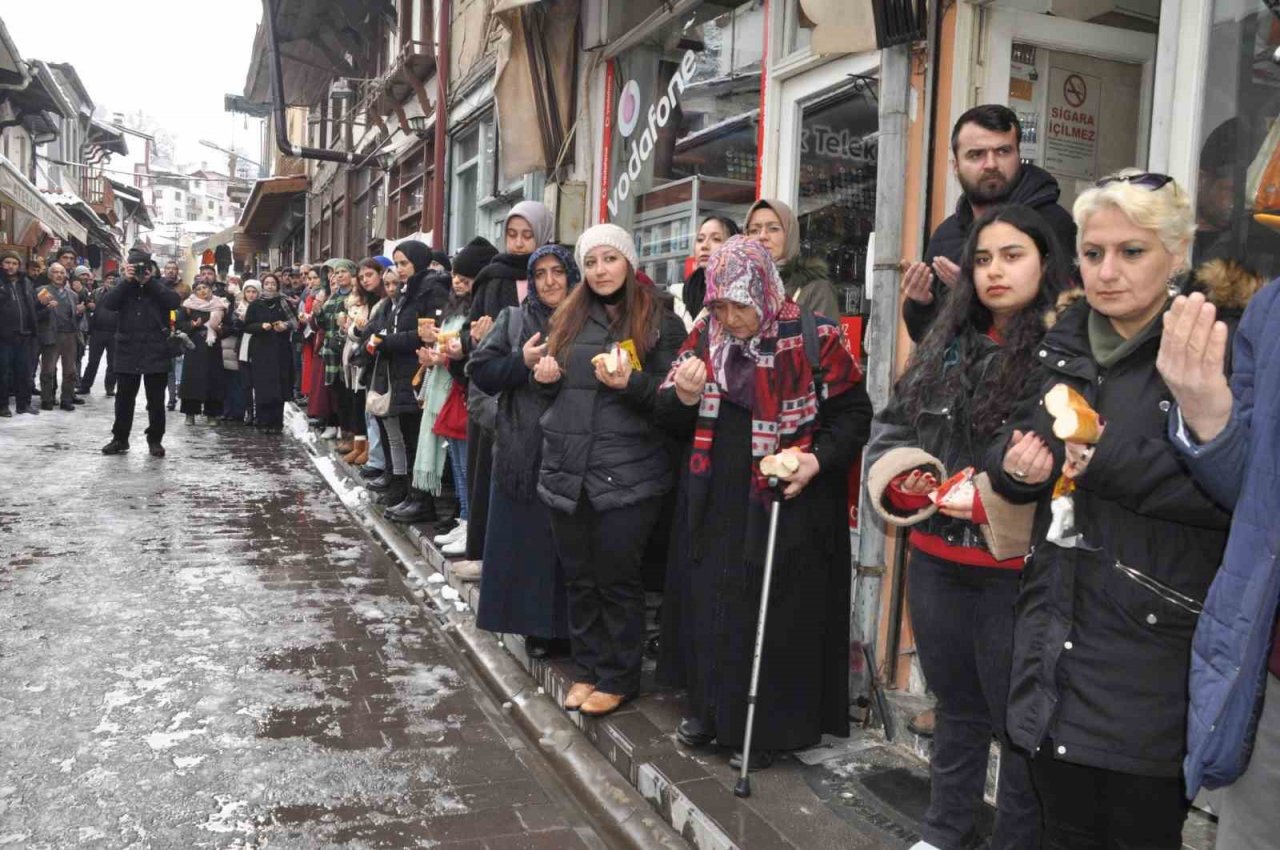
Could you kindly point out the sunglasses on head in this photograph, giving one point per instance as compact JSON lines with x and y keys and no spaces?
{"x":1147,"y":180}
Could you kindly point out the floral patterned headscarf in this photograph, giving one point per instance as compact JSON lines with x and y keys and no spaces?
{"x":741,"y":271}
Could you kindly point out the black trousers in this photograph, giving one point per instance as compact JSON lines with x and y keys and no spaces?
{"x":99,"y":344}
{"x":409,"y":425}
{"x":351,"y":410}
{"x":127,"y":393}
{"x":479,"y":473}
{"x":601,"y":552}
{"x":15,"y":372}
{"x":1089,"y":808}
{"x":270,"y":415}
{"x":963,"y":622}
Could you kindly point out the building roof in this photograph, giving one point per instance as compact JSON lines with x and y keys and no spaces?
{"x":270,"y":199}
{"x":109,"y":137}
{"x":71,"y":81}
{"x":13,"y":71}
{"x":60,"y":96}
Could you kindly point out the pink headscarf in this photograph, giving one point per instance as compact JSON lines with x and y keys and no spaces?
{"x":742,"y":271}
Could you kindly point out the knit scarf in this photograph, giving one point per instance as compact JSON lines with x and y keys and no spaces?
{"x":216,"y":308}
{"x":428,"y":463}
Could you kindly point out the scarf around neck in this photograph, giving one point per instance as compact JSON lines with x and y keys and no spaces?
{"x":216,"y":308}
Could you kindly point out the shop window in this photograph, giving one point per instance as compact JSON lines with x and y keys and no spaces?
{"x":481,"y":199}
{"x":1238,"y":180}
{"x":837,"y":191}
{"x":685,"y":123}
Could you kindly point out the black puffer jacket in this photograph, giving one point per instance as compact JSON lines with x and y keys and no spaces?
{"x":101,"y":320}
{"x":18,"y":308}
{"x":1101,"y":652}
{"x":143,"y":310}
{"x":604,"y":441}
{"x":399,"y":351}
{"x":1036,"y":188}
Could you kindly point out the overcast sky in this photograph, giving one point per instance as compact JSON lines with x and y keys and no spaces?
{"x":192,"y":53}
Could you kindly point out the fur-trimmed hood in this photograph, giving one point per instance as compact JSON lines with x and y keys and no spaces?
{"x":801,"y":271}
{"x":1227,"y":284}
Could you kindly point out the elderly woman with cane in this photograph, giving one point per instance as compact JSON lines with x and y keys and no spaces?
{"x":757,"y":377}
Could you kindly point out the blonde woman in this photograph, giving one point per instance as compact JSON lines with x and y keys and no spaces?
{"x":1124,"y":545}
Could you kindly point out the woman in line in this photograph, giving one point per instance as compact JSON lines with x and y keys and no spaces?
{"x":963,"y":381}
{"x":401,"y":340}
{"x":269,"y":324}
{"x":443,"y":363}
{"x":805,"y":278}
{"x":1122,"y":558}
{"x":332,"y":319}
{"x":452,"y":540}
{"x":306,"y":307}
{"x":605,"y":466}
{"x":391,"y":485}
{"x":322,"y":406}
{"x":522,"y":590}
{"x":743,"y":388}
{"x":249,"y":293}
{"x":503,"y":282}
{"x":714,"y":231}
{"x":203,"y":386}
{"x":366,"y":293}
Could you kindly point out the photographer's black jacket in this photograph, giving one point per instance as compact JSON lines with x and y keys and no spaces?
{"x":143,"y":310}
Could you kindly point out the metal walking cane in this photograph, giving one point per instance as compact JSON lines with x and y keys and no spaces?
{"x":743,"y":788}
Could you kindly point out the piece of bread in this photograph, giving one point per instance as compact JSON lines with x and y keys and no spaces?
{"x":781,"y":465}
{"x":609,"y":359}
{"x":1074,"y":421}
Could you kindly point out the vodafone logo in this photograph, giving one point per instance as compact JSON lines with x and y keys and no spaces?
{"x":629,"y":108}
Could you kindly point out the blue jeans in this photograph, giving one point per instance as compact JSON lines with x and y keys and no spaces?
{"x":458,"y":460}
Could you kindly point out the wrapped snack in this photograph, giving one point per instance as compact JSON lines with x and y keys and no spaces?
{"x":1074,"y":421}
{"x":446,"y":337}
{"x":609,"y":359}
{"x":956,"y":491}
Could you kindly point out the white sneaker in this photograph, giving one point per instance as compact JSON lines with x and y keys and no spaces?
{"x":453,"y":534}
{"x":330,"y":433}
{"x":455,"y":547}
{"x":923,"y":845}
{"x":466,"y":570}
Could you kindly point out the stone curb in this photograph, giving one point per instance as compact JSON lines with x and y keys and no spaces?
{"x":619,"y":807}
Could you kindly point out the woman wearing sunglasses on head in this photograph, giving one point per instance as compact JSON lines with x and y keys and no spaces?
{"x":1124,"y":545}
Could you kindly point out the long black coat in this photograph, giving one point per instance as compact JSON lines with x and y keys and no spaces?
{"x":203,"y":378}
{"x":600,"y":441}
{"x":1100,"y":655}
{"x":143,"y":311}
{"x":270,"y":352}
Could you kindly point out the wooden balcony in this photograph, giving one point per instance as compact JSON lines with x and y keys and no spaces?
{"x":98,"y":194}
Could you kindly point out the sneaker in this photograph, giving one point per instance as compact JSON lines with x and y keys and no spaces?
{"x":115,"y":447}
{"x":330,"y":433}
{"x":454,"y":548}
{"x":466,"y":570}
{"x":459,"y":530}
{"x":156,"y":449}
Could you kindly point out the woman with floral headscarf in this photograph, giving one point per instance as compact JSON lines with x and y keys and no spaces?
{"x":522,"y":588}
{"x":742,"y":387}
{"x":203,"y":382}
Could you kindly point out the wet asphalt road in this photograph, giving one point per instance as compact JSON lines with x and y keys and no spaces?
{"x":206,"y":651}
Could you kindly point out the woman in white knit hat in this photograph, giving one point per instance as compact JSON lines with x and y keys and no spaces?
{"x":605,"y":466}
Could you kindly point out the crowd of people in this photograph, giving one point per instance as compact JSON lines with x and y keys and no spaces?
{"x":604,"y":438}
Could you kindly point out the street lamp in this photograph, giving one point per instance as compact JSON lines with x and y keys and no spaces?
{"x":418,"y":126}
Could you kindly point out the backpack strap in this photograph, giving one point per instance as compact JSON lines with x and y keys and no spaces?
{"x":812,"y":349}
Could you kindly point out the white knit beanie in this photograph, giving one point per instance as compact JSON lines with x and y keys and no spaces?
{"x":606,"y":234}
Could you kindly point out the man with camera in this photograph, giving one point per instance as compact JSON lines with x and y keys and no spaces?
{"x":141,"y":304}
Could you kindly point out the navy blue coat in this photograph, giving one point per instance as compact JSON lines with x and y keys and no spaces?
{"x":1240,"y":468}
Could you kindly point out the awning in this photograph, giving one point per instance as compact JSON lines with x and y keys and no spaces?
{"x":18,"y":189}
{"x":226,"y":236}
{"x":99,"y":232}
{"x":535,"y":88}
{"x":134,"y":205}
{"x":269,"y":201}
{"x":106,"y":137}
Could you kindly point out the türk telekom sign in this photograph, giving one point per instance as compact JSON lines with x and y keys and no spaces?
{"x":632,"y":116}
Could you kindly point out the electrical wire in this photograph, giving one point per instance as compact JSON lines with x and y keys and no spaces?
{"x":95,"y":169}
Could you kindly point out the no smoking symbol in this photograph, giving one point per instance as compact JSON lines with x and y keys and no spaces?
{"x":1075,"y":90}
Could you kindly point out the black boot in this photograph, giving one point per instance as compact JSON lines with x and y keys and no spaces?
{"x":115,"y":447}
{"x":379,"y":484}
{"x":395,"y":492}
{"x":418,"y":507}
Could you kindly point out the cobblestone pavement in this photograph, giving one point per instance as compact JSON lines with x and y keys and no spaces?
{"x":206,"y":651}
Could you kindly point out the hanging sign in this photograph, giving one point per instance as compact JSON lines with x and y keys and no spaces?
{"x":1071,"y":133}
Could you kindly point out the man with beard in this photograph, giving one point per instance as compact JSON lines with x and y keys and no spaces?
{"x":141,"y":304}
{"x":986,"y":148}
{"x":17,"y":335}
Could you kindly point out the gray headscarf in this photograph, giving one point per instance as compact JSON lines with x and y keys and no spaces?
{"x":538,"y":216}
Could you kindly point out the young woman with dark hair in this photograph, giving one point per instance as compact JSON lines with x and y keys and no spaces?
{"x":714,"y":231}
{"x":961,"y":385}
{"x":605,"y":466}
{"x":269,"y":323}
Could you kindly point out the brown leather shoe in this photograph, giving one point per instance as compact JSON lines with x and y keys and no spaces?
{"x":578,"y":694}
{"x":600,"y":704}
{"x":344,"y":447}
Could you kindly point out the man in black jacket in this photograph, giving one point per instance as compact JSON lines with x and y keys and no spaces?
{"x":986,"y":146}
{"x":142,"y":305}
{"x":102,"y":340}
{"x":17,"y":335}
